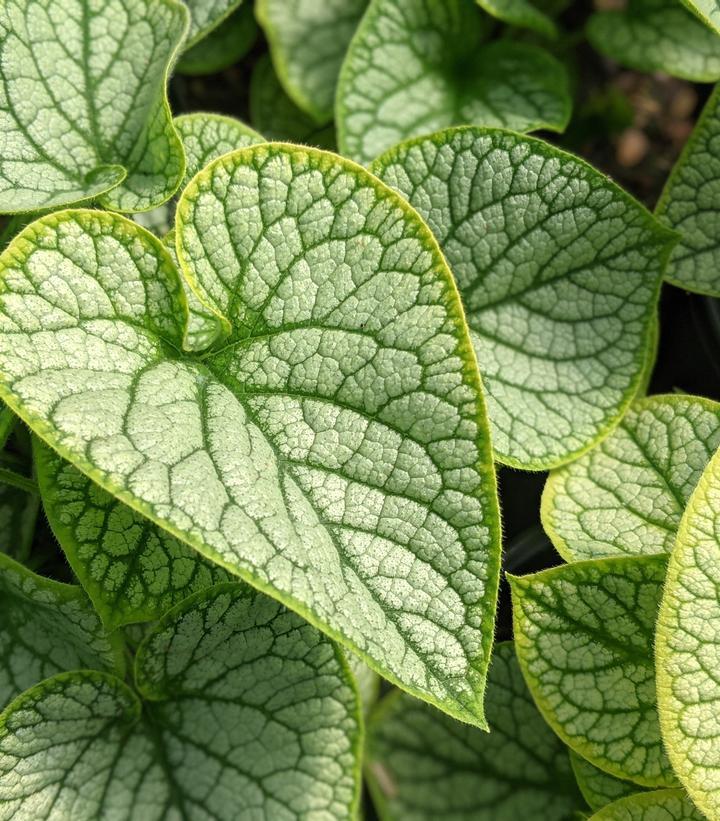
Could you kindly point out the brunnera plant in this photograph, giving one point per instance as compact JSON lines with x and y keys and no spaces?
{"x":288,"y":290}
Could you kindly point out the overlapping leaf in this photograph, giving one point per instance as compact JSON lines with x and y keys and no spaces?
{"x":626,"y":496}
{"x":415,"y":66}
{"x":223,"y":46}
{"x":274,"y":114}
{"x":423,"y":765}
{"x":247,"y":712}
{"x":333,"y":452}
{"x":521,"y":13}
{"x":559,"y":271}
{"x":687,"y":646}
{"x":598,"y":787}
{"x":83,"y":111}
{"x":658,"y":805}
{"x":132,"y":569}
{"x":690,"y":204}
{"x":584,"y":638}
{"x":657,"y":35}
{"x":308,"y":41}
{"x":46,"y":628}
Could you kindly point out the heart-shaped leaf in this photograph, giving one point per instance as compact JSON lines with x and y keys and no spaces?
{"x":415,"y":67}
{"x":687,"y":646}
{"x":559,"y":271}
{"x":247,"y":712}
{"x":132,"y":569}
{"x":626,"y":496}
{"x":584,"y":637}
{"x":657,"y":35}
{"x":308,"y":41}
{"x":83,"y":110}
{"x":46,"y":628}
{"x":598,"y":787}
{"x":423,"y":765}
{"x":521,"y":13}
{"x":690,"y":204}
{"x":223,"y":46}
{"x":332,"y":450}
{"x":658,"y":805}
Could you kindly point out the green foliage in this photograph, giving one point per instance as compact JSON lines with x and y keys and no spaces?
{"x":422,"y":765}
{"x":560,"y":295}
{"x":252,"y":434}
{"x":626,"y":496}
{"x":308,"y":41}
{"x":584,"y":638}
{"x":416,"y":66}
{"x":687,"y":647}
{"x":689,"y":204}
{"x":228,"y":670}
{"x":83,"y":111}
{"x":658,"y":35}
{"x":255,"y":421}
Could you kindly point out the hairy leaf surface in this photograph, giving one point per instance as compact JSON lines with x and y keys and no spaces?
{"x":423,"y":765}
{"x":46,"y":628}
{"x":584,"y":638}
{"x":132,"y":569}
{"x":598,"y":787}
{"x":333,"y":452}
{"x":689,"y":204}
{"x":657,"y":35}
{"x":247,"y":712}
{"x":521,"y":13}
{"x":83,"y":109}
{"x":626,"y":496}
{"x":657,"y":805}
{"x":415,"y":66}
{"x":559,"y":271}
{"x":274,"y":114}
{"x":223,"y":46}
{"x":308,"y":41}
{"x":687,"y":646}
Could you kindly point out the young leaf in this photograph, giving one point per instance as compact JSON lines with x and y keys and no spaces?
{"x":83,"y":111}
{"x":707,"y":10}
{"x":247,"y":712}
{"x":423,"y":765}
{"x":658,"y":805}
{"x":689,"y":204}
{"x":584,"y":638}
{"x":206,"y":16}
{"x":333,"y":452}
{"x":131,"y":569}
{"x":46,"y":628}
{"x":415,"y":67}
{"x":521,"y":13}
{"x":657,"y":35}
{"x":627,"y":494}
{"x":225,"y":45}
{"x":559,"y":271}
{"x":274,"y":114}
{"x":687,"y":646}
{"x":308,"y":41}
{"x":598,"y":787}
